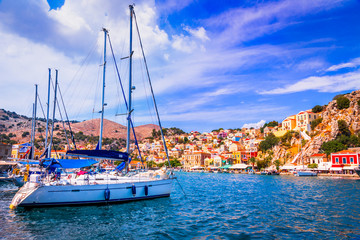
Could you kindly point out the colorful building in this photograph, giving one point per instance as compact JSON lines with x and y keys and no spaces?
{"x":344,"y":161}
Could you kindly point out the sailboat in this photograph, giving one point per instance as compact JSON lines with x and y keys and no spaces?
{"x":101,"y":188}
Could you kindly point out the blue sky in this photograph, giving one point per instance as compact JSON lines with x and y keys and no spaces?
{"x":213,"y":64}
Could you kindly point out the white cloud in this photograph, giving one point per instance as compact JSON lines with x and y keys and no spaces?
{"x":199,"y":33}
{"x":335,"y":83}
{"x":183,"y":43}
{"x":352,"y":64}
{"x":254,"y":125}
{"x":243,"y":24}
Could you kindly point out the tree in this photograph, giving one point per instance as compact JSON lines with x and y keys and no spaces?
{"x":269,"y":142}
{"x":252,"y":161}
{"x":332,"y":146}
{"x":277,"y":164}
{"x":24,"y":134}
{"x":317,"y":109}
{"x":315,"y":122}
{"x":342,"y":102}
{"x":313,"y":165}
{"x":343,"y":128}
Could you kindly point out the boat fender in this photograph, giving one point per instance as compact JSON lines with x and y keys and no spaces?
{"x":133,"y":190}
{"x":146,"y":188}
{"x":107,"y":194}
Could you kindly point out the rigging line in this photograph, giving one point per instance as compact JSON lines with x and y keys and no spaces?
{"x":43,"y":114}
{"x":127,"y":106}
{"x":41,"y":106}
{"x":152,"y":91}
{"x":67,"y":119}
{"x":146,"y":94}
{"x":62,"y":120}
{"x":83,"y":63}
{"x":63,"y":123}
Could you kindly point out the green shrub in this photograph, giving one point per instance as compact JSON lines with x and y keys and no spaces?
{"x":343,"y":128}
{"x":315,"y":122}
{"x":269,"y":142}
{"x":317,"y":109}
{"x":313,"y":165}
{"x":342,"y":102}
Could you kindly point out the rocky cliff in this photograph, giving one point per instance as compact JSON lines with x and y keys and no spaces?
{"x":327,"y":130}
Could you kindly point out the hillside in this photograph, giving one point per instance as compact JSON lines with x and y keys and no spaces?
{"x":15,"y":128}
{"x":327,"y":130}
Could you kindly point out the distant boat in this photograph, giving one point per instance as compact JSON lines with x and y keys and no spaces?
{"x":357,"y":170}
{"x":305,"y":174}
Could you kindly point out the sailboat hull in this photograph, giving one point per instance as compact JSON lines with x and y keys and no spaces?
{"x":46,"y":196}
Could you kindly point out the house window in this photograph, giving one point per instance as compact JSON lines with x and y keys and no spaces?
{"x":337,"y":160}
{"x":344,"y":160}
{"x":352,"y":160}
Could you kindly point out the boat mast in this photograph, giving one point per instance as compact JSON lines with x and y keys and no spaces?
{"x":33,"y":129}
{"x":47,"y":114}
{"x":103,"y":93}
{"x":53,"y":119}
{"x":131,"y":7}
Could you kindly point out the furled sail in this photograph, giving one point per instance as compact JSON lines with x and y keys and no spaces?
{"x":99,"y":154}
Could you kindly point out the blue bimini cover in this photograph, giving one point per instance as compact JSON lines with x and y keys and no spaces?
{"x":68,"y":163}
{"x":99,"y":154}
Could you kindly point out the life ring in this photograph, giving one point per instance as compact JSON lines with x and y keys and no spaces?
{"x":69,"y":176}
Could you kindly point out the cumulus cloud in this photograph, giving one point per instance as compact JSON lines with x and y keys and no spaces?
{"x":199,"y":33}
{"x":254,"y":125}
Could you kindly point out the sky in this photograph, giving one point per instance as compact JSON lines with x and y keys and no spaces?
{"x":213,"y":64}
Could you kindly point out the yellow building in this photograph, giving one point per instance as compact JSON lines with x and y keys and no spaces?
{"x":289,"y":123}
{"x":18,"y":151}
{"x":303,"y":120}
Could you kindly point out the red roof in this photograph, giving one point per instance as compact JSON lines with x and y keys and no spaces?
{"x":345,"y":152}
{"x":318,"y":155}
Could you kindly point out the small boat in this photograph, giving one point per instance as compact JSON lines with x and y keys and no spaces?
{"x":305,"y":174}
{"x":357,"y":170}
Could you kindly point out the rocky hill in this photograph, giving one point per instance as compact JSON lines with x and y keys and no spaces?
{"x":16,"y":128}
{"x":327,"y":130}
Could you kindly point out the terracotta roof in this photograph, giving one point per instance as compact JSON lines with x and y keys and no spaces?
{"x":318,"y":155}
{"x":345,"y":152}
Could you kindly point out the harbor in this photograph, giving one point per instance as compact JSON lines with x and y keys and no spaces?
{"x":199,"y":120}
{"x":225,"y":206}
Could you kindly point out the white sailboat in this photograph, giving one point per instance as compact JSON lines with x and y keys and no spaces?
{"x":103,"y":188}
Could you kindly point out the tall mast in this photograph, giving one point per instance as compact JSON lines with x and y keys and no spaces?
{"x":34,"y":124}
{"x":53,"y":119}
{"x":131,"y":7}
{"x":47,"y":112}
{"x":103,"y":93}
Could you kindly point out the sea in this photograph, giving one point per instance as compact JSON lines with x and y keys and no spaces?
{"x":211,"y":206}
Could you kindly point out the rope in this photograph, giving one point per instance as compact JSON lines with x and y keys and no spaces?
{"x":126,"y":104}
{"x":152,"y":91}
{"x":67,"y":120}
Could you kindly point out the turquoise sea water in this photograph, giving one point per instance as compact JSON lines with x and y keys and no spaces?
{"x":217,"y":206}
